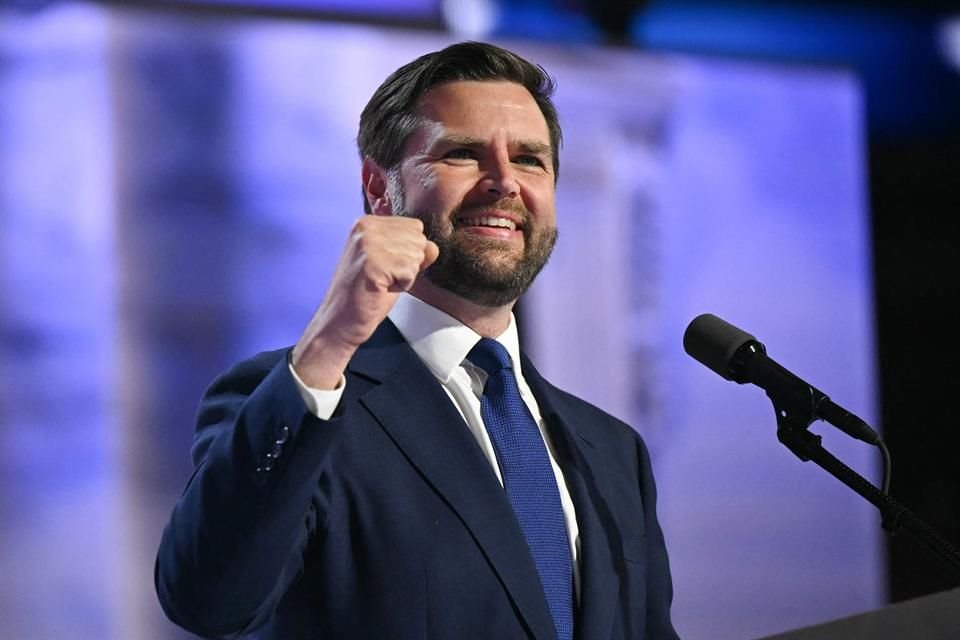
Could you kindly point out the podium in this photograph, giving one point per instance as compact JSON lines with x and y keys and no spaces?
{"x":933,"y":617}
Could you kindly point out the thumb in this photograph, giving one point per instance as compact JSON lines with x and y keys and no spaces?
{"x":430,"y":254}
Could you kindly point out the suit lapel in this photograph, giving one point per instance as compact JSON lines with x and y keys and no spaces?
{"x":419,"y":417}
{"x":599,"y":584}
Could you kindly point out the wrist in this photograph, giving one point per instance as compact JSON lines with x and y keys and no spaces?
{"x":320,"y":362}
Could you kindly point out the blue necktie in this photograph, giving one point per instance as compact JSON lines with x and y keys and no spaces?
{"x":528,"y":479}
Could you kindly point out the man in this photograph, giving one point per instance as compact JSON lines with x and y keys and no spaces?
{"x":404,"y":471}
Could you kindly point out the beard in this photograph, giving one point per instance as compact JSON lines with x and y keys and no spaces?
{"x":478,"y":269}
{"x":481,"y":269}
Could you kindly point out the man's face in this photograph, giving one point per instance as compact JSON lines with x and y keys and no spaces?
{"x":478,"y":171}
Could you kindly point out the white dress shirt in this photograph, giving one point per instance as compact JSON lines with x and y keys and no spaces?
{"x":443,"y":342}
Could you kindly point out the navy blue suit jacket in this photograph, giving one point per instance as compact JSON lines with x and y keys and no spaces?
{"x":387,"y":521}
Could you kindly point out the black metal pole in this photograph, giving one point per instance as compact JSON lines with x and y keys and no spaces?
{"x":896,"y":516}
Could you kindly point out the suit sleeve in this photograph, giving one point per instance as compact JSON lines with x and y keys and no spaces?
{"x":235,"y":539}
{"x":660,"y":585}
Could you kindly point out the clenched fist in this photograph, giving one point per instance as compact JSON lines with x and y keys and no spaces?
{"x":383,"y":257}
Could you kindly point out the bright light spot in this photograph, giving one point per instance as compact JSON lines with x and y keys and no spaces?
{"x":472,"y":19}
{"x":950,"y":41}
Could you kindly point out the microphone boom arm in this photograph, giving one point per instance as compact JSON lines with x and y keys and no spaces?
{"x":793,"y":433}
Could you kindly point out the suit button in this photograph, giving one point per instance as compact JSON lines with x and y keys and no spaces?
{"x":277,"y":449}
{"x":268,"y":463}
{"x":284,"y":434}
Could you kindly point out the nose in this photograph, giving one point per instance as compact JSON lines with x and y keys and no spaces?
{"x":501,"y":178}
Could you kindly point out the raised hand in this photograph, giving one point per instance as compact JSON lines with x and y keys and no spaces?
{"x":384,"y":256}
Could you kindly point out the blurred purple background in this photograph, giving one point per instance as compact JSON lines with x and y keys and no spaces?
{"x":175,"y":187}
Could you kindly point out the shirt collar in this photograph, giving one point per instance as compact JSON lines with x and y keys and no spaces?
{"x":442,"y":341}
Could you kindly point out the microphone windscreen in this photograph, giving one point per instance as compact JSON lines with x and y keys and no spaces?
{"x":712,"y":342}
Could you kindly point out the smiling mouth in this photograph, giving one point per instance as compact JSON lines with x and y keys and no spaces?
{"x":495,"y":217}
{"x":494,"y":222}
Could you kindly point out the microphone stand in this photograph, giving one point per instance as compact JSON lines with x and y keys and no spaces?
{"x":793,"y":420}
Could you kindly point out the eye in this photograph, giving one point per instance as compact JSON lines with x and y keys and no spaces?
{"x":461,"y":153}
{"x":533,"y":161}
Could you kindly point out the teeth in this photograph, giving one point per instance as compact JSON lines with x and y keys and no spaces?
{"x":490,"y":221}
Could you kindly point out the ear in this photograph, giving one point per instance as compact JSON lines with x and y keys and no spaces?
{"x":375,"y":188}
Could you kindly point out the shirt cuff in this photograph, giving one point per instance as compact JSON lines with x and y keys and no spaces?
{"x":320,"y":402}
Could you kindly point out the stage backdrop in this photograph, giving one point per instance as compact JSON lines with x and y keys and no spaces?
{"x":175,"y":190}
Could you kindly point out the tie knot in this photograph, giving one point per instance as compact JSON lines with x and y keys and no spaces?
{"x":490,"y":355}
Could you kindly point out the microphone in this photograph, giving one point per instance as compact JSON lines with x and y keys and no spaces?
{"x":736,"y":355}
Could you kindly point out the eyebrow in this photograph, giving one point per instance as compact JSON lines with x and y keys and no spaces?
{"x":525,"y":146}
